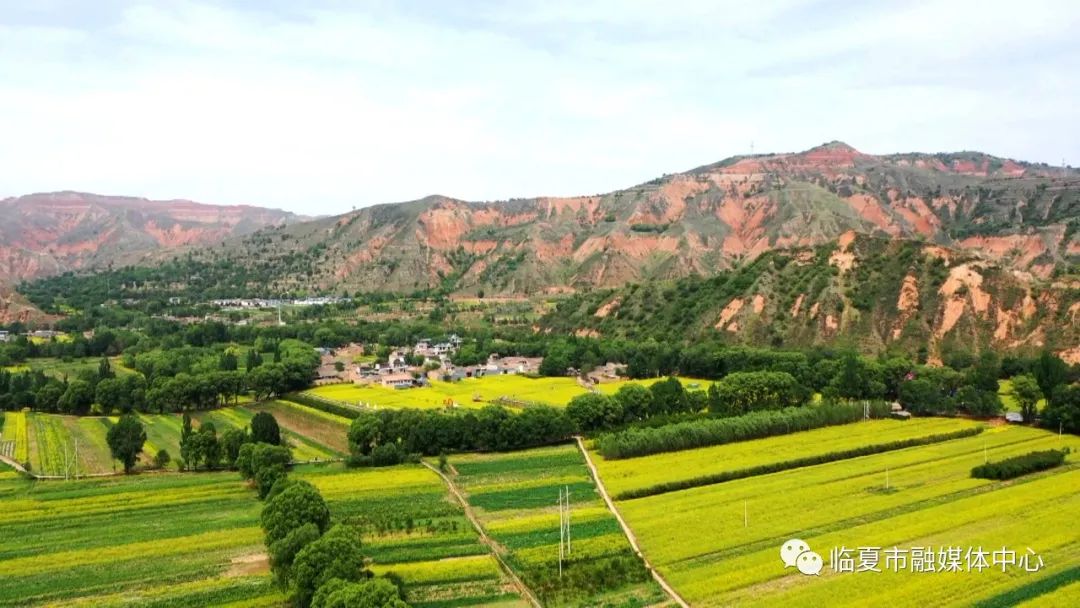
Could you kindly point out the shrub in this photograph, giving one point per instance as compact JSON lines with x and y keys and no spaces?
{"x":1020,"y":465}
{"x":162,"y":459}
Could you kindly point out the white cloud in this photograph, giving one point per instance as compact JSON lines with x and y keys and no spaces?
{"x":317,"y":111}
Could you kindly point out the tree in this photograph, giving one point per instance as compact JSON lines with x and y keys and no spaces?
{"x":1027,"y":393}
{"x":78,"y":397}
{"x":267,"y":476}
{"x":556,"y":359}
{"x":1063,"y":409}
{"x":743,"y":392}
{"x":669,"y":396}
{"x":126,"y":439}
{"x":298,"y":504}
{"x":162,"y":459}
{"x":978,"y":402}
{"x":105,"y":369}
{"x":636,"y":402}
{"x":336,"y":555}
{"x":231,"y":440}
{"x":594,"y":411}
{"x":48,"y":396}
{"x":283,"y":552}
{"x":112,"y":395}
{"x":265,"y":429}
{"x":374,"y":593}
{"x":920,"y":396}
{"x":1049,"y":371}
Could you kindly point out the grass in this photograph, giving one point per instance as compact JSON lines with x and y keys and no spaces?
{"x":90,"y":542}
{"x":514,"y":495}
{"x":464,"y":393}
{"x":702,"y":544}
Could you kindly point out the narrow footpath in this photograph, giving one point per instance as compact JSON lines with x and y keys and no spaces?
{"x":484,"y":538}
{"x":625,"y":528}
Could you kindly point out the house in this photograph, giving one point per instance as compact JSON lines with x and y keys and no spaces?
{"x":512,"y":365}
{"x":455,"y":340}
{"x":397,"y":380}
{"x":4,"y":336}
{"x":1014,"y":417}
{"x":329,"y":372}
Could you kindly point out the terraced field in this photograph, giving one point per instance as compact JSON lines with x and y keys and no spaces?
{"x":194,"y":540}
{"x":514,"y":496}
{"x":718,"y":545}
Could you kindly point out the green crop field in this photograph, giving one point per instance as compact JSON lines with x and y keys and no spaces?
{"x":194,"y":540}
{"x":515,"y":496}
{"x":719,"y":545}
{"x":41,"y":439}
{"x":634,"y":473}
{"x":476,"y":392}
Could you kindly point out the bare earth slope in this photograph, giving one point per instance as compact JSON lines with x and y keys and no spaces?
{"x":46,"y":234}
{"x":699,"y":222}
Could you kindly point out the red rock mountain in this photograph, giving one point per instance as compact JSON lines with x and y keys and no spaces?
{"x":701,"y":221}
{"x":45,"y":234}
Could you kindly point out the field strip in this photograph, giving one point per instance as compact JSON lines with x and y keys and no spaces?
{"x":626,"y":529}
{"x":798,"y":463}
{"x":484,"y":538}
{"x":845,"y":524}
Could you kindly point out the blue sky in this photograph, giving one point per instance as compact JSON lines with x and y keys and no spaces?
{"x":332,"y":105}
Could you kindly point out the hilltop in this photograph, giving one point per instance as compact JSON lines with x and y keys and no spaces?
{"x":701,"y":221}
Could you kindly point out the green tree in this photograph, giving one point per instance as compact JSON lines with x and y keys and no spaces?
{"x":636,"y":401}
{"x":298,"y":504}
{"x":126,"y":439}
{"x":336,"y":555}
{"x":669,"y":396}
{"x":1027,"y":393}
{"x":374,"y":593}
{"x":111,"y":394}
{"x":78,"y":398}
{"x":265,"y":429}
{"x":283,"y":552}
{"x":1062,"y":410}
{"x":162,"y":459}
{"x":231,"y":440}
{"x":1049,"y":371}
{"x":594,"y":411}
{"x":105,"y":369}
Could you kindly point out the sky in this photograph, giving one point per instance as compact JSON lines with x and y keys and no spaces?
{"x":330,"y":106}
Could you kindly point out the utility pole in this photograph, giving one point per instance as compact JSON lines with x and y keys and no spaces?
{"x":886,"y":478}
{"x":76,"y":458}
{"x":745,"y":516}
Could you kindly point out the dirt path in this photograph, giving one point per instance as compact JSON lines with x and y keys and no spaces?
{"x":492,"y":546}
{"x":625,"y":528}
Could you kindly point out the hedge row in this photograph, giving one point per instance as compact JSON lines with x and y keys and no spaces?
{"x":322,"y":404}
{"x":692,"y":434}
{"x":1020,"y":465}
{"x":775,"y":467}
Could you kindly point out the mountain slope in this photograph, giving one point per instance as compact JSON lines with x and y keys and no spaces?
{"x":873,"y":293}
{"x":45,"y":234}
{"x":699,"y":222}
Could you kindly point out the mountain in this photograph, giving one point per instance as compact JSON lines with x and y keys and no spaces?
{"x":46,"y":234}
{"x":873,"y":293}
{"x":702,"y":221}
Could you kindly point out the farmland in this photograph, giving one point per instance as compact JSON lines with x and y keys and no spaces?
{"x":514,"y":496}
{"x":475,"y":392}
{"x":313,"y":435}
{"x":636,"y":473}
{"x":88,"y":542}
{"x":718,"y":544}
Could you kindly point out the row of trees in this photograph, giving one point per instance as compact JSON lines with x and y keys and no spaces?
{"x":387,"y":437}
{"x":316,"y":564}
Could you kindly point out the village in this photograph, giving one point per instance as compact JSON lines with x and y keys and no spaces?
{"x":429,"y":361}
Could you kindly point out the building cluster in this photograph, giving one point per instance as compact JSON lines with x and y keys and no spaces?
{"x":424,"y":362}
{"x":40,"y":334}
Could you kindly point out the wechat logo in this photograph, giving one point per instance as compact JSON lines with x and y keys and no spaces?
{"x":798,"y":554}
